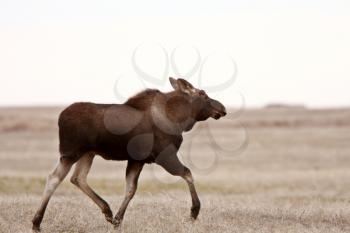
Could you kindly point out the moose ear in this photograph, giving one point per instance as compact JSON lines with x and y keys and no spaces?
{"x":181,"y":84}
{"x":173,"y":83}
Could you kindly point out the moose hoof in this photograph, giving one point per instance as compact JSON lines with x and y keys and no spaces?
{"x":108,"y":215}
{"x":194,"y":212}
{"x":36,"y":223}
{"x":116,"y":222}
{"x":109,"y":219}
{"x":35,"y":229}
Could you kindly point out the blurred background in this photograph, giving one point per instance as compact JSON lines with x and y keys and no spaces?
{"x":286,"y":51}
{"x":279,"y":162}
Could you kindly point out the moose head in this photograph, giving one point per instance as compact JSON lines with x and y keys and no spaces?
{"x":201,"y":105}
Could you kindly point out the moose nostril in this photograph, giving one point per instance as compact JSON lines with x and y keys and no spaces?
{"x":223,"y":112}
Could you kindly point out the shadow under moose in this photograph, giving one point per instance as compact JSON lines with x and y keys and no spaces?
{"x":147,"y":128}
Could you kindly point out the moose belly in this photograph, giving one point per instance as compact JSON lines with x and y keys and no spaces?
{"x":135,"y":147}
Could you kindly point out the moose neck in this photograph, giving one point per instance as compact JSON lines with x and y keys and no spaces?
{"x":172,"y":113}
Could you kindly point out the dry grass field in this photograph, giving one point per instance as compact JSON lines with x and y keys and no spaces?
{"x":293,"y":175}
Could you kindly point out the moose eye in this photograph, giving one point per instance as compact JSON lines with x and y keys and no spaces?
{"x":203,"y":94}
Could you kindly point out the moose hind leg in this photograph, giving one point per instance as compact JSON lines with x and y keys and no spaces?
{"x":79,"y":177}
{"x":53,"y":180}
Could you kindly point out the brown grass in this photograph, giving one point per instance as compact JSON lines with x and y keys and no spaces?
{"x":292,"y":177}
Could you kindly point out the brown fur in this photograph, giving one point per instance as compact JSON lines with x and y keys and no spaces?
{"x":147,"y":128}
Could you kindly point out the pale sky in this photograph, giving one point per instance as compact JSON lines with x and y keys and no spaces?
{"x":59,"y":52}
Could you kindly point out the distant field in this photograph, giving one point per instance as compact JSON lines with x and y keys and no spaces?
{"x":293,"y":175}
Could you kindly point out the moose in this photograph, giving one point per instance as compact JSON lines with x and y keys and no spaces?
{"x":147,"y":128}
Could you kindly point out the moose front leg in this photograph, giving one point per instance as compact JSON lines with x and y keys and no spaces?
{"x":133,"y":171}
{"x":196,"y":204}
{"x":170,"y":162}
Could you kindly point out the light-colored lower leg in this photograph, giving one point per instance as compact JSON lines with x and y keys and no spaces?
{"x":196,"y":204}
{"x":53,"y":180}
{"x":79,"y":178}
